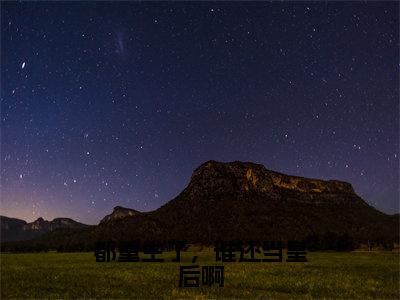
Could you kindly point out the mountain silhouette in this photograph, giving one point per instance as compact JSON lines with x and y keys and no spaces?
{"x":17,"y":230}
{"x":246,"y":201}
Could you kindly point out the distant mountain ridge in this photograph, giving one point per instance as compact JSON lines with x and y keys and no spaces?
{"x":13,"y":229}
{"x":246,"y":201}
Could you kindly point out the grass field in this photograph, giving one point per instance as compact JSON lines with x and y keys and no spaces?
{"x":77,"y":275}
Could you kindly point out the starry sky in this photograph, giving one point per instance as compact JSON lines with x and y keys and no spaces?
{"x":116,"y":103}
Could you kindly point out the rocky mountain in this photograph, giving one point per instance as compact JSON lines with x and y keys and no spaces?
{"x":120,"y":212}
{"x":11,"y":229}
{"x":243,"y":201}
{"x":16,"y":229}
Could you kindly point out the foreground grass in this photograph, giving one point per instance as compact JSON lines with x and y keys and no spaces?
{"x":77,"y":275}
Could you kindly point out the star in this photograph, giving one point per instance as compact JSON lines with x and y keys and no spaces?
{"x":125,"y":109}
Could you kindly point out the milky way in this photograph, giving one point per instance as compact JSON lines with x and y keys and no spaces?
{"x":106,"y":104}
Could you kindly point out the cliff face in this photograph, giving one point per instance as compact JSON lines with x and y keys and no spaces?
{"x":306,"y":185}
{"x":242,"y":177}
{"x":120,"y":212}
{"x":236,"y":177}
{"x":240,"y":180}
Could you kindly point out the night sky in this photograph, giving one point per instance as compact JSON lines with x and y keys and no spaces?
{"x":116,"y":103}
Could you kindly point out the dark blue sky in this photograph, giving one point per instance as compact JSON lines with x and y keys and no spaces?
{"x":116,"y":103}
